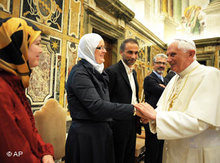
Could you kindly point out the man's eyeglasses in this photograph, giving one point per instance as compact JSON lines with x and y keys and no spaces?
{"x":161,"y":63}
{"x":100,"y":48}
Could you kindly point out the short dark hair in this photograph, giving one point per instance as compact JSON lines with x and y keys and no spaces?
{"x":131,"y":40}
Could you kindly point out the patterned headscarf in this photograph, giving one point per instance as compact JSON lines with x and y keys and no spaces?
{"x":87,"y":47}
{"x":16,"y":36}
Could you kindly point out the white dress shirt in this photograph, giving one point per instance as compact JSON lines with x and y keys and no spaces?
{"x":132,"y":82}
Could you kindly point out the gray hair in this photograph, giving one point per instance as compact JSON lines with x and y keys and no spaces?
{"x":161,"y":55}
{"x":184,"y":45}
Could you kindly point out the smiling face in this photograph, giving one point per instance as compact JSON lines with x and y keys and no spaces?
{"x":34,"y":52}
{"x":130,"y":54}
{"x":160,"y":65}
{"x":100,"y":52}
{"x":178,"y":59}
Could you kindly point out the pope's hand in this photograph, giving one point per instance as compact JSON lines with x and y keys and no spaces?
{"x":144,"y":121}
{"x":147,"y":111}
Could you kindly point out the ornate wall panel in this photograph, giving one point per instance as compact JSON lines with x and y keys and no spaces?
{"x":62,"y":22}
{"x":6,"y":5}
{"x":207,"y":51}
{"x":46,"y":12}
{"x":72,"y":56}
{"x":57,"y":81}
{"x":43,"y":78}
{"x":73,"y":30}
{"x":74,"y":18}
{"x":71,"y":60}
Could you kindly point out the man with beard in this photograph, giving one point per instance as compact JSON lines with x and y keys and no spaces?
{"x":154,"y":85}
{"x":123,"y":88}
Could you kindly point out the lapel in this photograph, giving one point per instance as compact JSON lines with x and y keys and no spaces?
{"x":136,"y":84}
{"x":156,"y":77}
{"x":123,"y":72}
{"x":135,"y":80}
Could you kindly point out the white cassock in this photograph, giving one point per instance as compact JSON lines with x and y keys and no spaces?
{"x":188,"y":116}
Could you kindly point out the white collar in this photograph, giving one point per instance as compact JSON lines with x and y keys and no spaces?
{"x":188,"y":69}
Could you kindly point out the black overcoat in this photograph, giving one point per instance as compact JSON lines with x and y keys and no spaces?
{"x":90,"y":136}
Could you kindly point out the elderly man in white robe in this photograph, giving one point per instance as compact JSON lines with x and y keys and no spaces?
{"x":188,"y":113}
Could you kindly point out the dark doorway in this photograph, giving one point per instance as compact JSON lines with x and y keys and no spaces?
{"x":109,"y":44}
{"x":202,"y":62}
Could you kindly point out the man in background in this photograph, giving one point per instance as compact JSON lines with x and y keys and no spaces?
{"x":123,"y":88}
{"x":170,"y":74}
{"x":154,"y":85}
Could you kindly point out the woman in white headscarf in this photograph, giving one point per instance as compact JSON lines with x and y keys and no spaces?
{"x":90,"y":136}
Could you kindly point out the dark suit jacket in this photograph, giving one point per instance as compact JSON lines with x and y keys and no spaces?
{"x":152,"y":89}
{"x":119,"y":86}
{"x":169,"y":75}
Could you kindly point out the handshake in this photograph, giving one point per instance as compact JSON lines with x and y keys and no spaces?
{"x":146,"y":112}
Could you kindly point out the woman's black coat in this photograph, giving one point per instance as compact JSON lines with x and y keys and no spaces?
{"x":88,"y":95}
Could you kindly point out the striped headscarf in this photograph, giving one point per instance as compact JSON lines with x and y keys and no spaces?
{"x":16,"y":36}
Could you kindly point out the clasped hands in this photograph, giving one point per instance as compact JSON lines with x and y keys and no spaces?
{"x":146,"y":112}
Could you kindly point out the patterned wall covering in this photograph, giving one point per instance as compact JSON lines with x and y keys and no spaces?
{"x":62,"y":22}
{"x":71,"y":60}
{"x":57,"y":81}
{"x":6,"y":5}
{"x":47,"y":12}
{"x":142,"y":54}
{"x":74,"y":18}
{"x":44,"y":77}
{"x":72,"y":56}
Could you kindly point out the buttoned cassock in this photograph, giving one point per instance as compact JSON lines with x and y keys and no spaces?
{"x":188,"y":116}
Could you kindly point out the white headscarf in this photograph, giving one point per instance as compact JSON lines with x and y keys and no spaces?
{"x":87,"y":47}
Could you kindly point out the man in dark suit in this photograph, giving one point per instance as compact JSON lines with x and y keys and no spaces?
{"x":123,"y":88}
{"x":154,"y":85}
{"x":170,"y":74}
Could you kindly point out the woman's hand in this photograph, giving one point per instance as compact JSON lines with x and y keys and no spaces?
{"x":47,"y":159}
